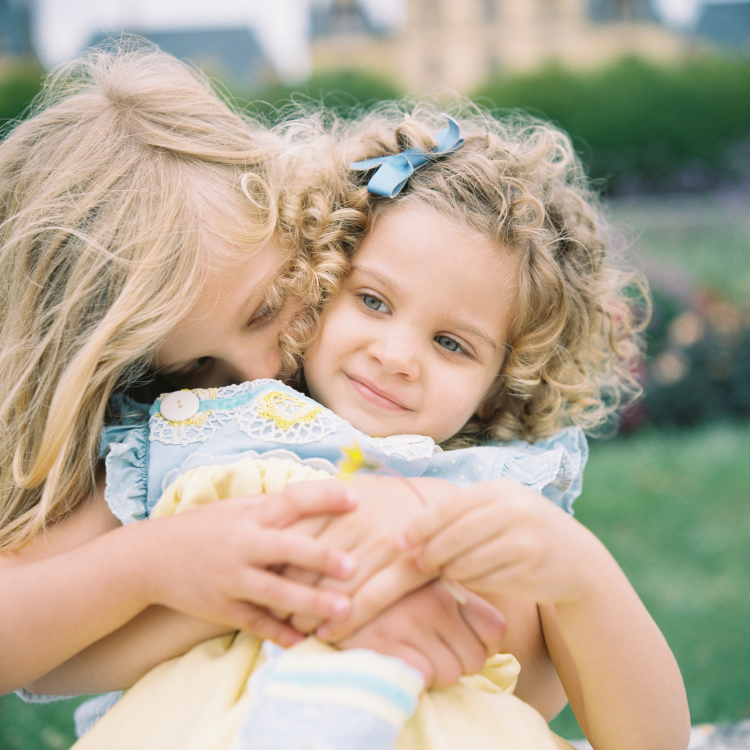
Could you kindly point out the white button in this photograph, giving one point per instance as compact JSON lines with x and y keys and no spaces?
{"x":179,"y":406}
{"x":407,"y":439}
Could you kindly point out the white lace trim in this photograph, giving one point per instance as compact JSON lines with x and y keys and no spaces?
{"x":197,"y":429}
{"x":409,"y":450}
{"x":274,"y":415}
{"x":281,"y":417}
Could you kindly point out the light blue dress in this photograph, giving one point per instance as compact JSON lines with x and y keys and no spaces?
{"x":145,"y":451}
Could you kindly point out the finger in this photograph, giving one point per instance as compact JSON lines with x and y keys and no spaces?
{"x":516,"y":552}
{"x":306,"y":623}
{"x":372,"y":556}
{"x":444,"y":660}
{"x":472,"y":530}
{"x":273,"y":547}
{"x":416,"y":659}
{"x":293,"y":573}
{"x":440,"y":516}
{"x":385,"y":588}
{"x":262,"y":588}
{"x":307,"y":499}
{"x":449,"y":625}
{"x":254,"y":620}
{"x":487,"y":622}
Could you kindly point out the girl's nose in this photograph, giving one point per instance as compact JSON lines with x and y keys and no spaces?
{"x":397,"y":355}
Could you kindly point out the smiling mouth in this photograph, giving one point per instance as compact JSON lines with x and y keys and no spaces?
{"x":375,"y":396}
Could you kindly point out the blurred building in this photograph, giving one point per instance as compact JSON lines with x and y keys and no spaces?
{"x":726,"y":24}
{"x":343,"y":36}
{"x":458,"y":44}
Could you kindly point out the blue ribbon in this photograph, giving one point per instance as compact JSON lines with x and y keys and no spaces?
{"x":395,"y":170}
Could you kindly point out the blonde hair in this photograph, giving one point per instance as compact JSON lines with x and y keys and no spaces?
{"x":130,"y":180}
{"x":576,"y":334}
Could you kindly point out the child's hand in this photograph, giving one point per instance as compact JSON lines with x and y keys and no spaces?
{"x":429,"y":630}
{"x":386,"y":505}
{"x":211,"y":562}
{"x":501,"y":537}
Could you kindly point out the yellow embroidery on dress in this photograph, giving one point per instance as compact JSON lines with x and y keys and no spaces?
{"x":286,"y":410}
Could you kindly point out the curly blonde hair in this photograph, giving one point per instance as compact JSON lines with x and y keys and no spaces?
{"x":128,"y":183}
{"x":576,"y":335}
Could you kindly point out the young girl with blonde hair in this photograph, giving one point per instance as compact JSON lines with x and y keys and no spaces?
{"x":143,"y":225}
{"x":482,"y":312}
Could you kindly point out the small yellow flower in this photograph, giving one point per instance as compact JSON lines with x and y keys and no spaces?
{"x":355,"y":460}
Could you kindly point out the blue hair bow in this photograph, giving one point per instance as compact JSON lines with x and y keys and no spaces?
{"x":395,"y":170}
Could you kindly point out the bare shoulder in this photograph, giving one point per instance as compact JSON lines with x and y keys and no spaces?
{"x":89,"y":519}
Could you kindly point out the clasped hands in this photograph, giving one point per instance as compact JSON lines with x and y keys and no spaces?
{"x":492,"y":540}
{"x":358,"y":564}
{"x":397,"y":609}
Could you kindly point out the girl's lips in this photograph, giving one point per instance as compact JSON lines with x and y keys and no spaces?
{"x":375,"y":396}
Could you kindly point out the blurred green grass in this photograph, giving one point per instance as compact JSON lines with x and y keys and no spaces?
{"x":25,"y":726}
{"x":673,"y":510}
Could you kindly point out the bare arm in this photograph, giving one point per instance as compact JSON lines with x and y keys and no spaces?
{"x":623,"y":682}
{"x":86,"y":577}
{"x":617,"y":670}
{"x":120,"y":659}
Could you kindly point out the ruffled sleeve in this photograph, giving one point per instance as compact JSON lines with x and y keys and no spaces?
{"x":124,"y":448}
{"x":553,"y":466}
{"x":28,"y":697}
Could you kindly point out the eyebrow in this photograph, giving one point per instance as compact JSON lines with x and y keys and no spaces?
{"x":385,"y":280}
{"x":465,"y":327}
{"x":456,"y":323}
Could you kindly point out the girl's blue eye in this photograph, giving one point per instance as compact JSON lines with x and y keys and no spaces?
{"x":371,"y":302}
{"x":449,"y":344}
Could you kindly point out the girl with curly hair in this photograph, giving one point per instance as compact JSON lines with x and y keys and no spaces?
{"x":479,"y":327}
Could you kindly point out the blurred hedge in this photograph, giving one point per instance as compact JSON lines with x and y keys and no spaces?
{"x":19,"y":84}
{"x":697,"y":368}
{"x":342,"y":90}
{"x":643,"y":127}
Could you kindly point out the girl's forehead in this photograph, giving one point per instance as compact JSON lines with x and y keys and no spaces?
{"x":411,"y":223}
{"x":444,"y":268}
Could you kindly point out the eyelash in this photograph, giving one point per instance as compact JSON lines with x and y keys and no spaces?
{"x":367,"y":295}
{"x":268,"y":312}
{"x":459,"y":350}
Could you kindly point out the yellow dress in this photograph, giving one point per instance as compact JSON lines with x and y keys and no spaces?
{"x":198,"y":701}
